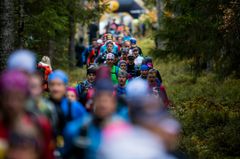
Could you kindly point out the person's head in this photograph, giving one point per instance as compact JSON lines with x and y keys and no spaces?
{"x":151,"y":76}
{"x":122,"y":65}
{"x":144,"y":71}
{"x":148,"y":61}
{"x":99,"y":42}
{"x":23,"y":60}
{"x":13,"y":94}
{"x":135,"y":52}
{"x":119,"y":40}
{"x":57,"y":83}
{"x":124,"y":53}
{"x":130,"y":58}
{"x":137,"y":92}
{"x":46,"y":60}
{"x":127,"y":44}
{"x":104,"y":38}
{"x":104,"y":100}
{"x":122,"y":78}
{"x":91,"y":74}
{"x":110,"y":59}
{"x":125,"y":32}
{"x":133,"y":42}
{"x":109,"y":46}
{"x":35,"y":85}
{"x":71,"y":94}
{"x":94,"y":43}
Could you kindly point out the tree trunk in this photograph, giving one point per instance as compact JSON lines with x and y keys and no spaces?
{"x":159,"y":16}
{"x":51,"y":49}
{"x":20,"y":23}
{"x":71,"y":49}
{"x":7,"y":31}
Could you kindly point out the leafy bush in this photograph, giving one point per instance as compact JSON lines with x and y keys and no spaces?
{"x":208,"y":110}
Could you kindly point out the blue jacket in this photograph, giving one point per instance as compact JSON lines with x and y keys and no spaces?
{"x":77,"y":109}
{"x":120,"y":90}
{"x":103,"y":49}
{"x":72,"y":134}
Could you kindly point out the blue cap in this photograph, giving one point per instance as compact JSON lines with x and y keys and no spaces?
{"x":133,"y":41}
{"x":23,"y":60}
{"x":58,"y":74}
{"x":144,"y":68}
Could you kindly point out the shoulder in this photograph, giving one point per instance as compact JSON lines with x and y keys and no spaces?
{"x":78,"y":106}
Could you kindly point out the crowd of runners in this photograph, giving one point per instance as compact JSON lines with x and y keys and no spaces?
{"x":119,"y":112}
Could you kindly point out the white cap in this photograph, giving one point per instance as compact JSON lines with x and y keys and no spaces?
{"x":137,"y":88}
{"x":22,"y":60}
{"x":99,"y":41}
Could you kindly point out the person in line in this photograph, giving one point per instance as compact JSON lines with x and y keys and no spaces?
{"x":84,"y":87}
{"x":85,"y":137}
{"x":119,"y":42}
{"x":71,"y":94}
{"x":109,"y":49}
{"x":148,"y":61}
{"x":120,"y":90}
{"x":124,"y":54}
{"x":90,"y":50}
{"x":109,"y":38}
{"x":93,"y":52}
{"x":13,"y":98}
{"x":133,"y":42}
{"x":122,"y":65}
{"x":44,"y":67}
{"x":144,"y":72}
{"x":131,"y":68}
{"x":126,"y":44}
{"x":79,"y":50}
{"x":158,"y":90}
{"x":126,"y":35}
{"x":122,"y":80}
{"x":138,"y":59}
{"x":37,"y":103}
{"x":114,"y":69}
{"x":21,"y":67}
{"x":67,"y":111}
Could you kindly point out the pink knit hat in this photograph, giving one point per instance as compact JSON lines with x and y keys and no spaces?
{"x":72,"y":89}
{"x":14,"y":80}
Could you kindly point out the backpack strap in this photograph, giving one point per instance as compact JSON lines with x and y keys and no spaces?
{"x":79,"y":89}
